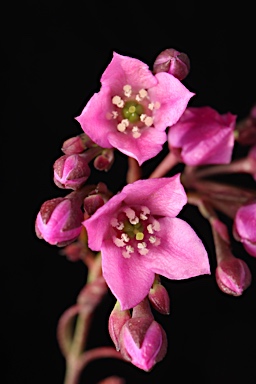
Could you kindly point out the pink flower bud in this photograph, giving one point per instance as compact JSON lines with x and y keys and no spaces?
{"x":244,"y":227}
{"x":116,"y":321}
{"x":252,"y":159}
{"x":142,"y":340}
{"x":233,"y":276}
{"x":104,"y":161}
{"x":77,"y":144}
{"x":173,"y":62}
{"x":59,"y":221}
{"x":71,"y":171}
{"x":92,"y":203}
{"x":159,"y":298}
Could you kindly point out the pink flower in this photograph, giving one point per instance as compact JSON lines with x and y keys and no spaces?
{"x":203,"y":136}
{"x":133,"y":108}
{"x":139,"y":235}
{"x":244,"y":228}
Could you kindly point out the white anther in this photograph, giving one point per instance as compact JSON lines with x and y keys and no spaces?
{"x":130,"y":213}
{"x":135,"y":220}
{"x":151,"y":106}
{"x":116,"y":100}
{"x":157,"y":105}
{"x":120,"y":226}
{"x":148,"y":121}
{"x":109,"y":116}
{"x":125,"y":237}
{"x":128,"y":252}
{"x":143,"y":117}
{"x":145,"y":210}
{"x":121,"y":127}
{"x":142,"y":245}
{"x":135,"y":132}
{"x":127,"y":90}
{"x":114,"y":114}
{"x":150,"y":229}
{"x":118,"y":242}
{"x":156,"y":225}
{"x":143,"y":93}
{"x":152,"y":239}
{"x":138,"y":98}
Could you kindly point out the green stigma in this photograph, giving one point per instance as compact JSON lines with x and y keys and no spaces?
{"x":132,"y":111}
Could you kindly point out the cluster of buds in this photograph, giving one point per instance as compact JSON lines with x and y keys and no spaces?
{"x":140,"y":339}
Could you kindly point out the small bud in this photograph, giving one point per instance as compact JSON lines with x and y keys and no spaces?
{"x":92,"y":203}
{"x":116,"y":321}
{"x":159,"y":298}
{"x":59,"y":221}
{"x":71,"y":171}
{"x":233,"y":276}
{"x":143,"y":341}
{"x":77,"y":144}
{"x":104,"y":161}
{"x":173,"y":62}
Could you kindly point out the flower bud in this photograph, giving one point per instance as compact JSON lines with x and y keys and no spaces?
{"x":116,"y":321}
{"x":71,"y":171}
{"x":159,"y":298}
{"x":104,"y":161}
{"x":244,"y":227}
{"x":143,"y":341}
{"x":173,"y":62}
{"x":77,"y":144}
{"x":59,"y":221}
{"x":233,"y":276}
{"x":252,"y":159}
{"x":92,"y":203}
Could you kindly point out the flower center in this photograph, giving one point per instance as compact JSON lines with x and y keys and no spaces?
{"x":132,"y":111}
{"x":135,"y":230}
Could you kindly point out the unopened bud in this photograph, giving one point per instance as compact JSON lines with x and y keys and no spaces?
{"x":233,"y":276}
{"x":244,"y":227}
{"x":77,"y":144}
{"x":159,"y":298}
{"x":71,"y":171}
{"x":143,"y":341}
{"x":92,"y":203}
{"x":59,"y":221}
{"x":116,"y":321}
{"x":104,"y":161}
{"x":174,"y":62}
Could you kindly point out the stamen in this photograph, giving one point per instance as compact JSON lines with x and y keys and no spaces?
{"x":114,"y":222}
{"x":150,"y":229}
{"x":125,"y":237}
{"x":116,"y":100}
{"x":142,"y":247}
{"x":118,"y":242}
{"x":121,"y":127}
{"x":143,"y":93}
{"x":156,"y":225}
{"x":130,"y":213}
{"x":157,"y":105}
{"x":135,"y":132}
{"x":148,"y":121}
{"x":152,"y":239}
{"x":135,"y":220}
{"x":144,"y":213}
{"x":127,"y":90}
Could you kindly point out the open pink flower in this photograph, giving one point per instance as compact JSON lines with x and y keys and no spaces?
{"x":133,"y":108}
{"x":203,"y":136}
{"x":244,"y":228}
{"x":139,"y":235}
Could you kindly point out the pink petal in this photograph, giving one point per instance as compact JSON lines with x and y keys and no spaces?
{"x":128,"y":279}
{"x":181,"y":254}
{"x":93,"y":118}
{"x":98,"y":224}
{"x":163,"y":196}
{"x":148,"y":145}
{"x":245,"y":222}
{"x":124,"y":70}
{"x":249,"y":247}
{"x":173,"y":97}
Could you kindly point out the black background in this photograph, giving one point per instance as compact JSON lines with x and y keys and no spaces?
{"x":53,"y":54}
